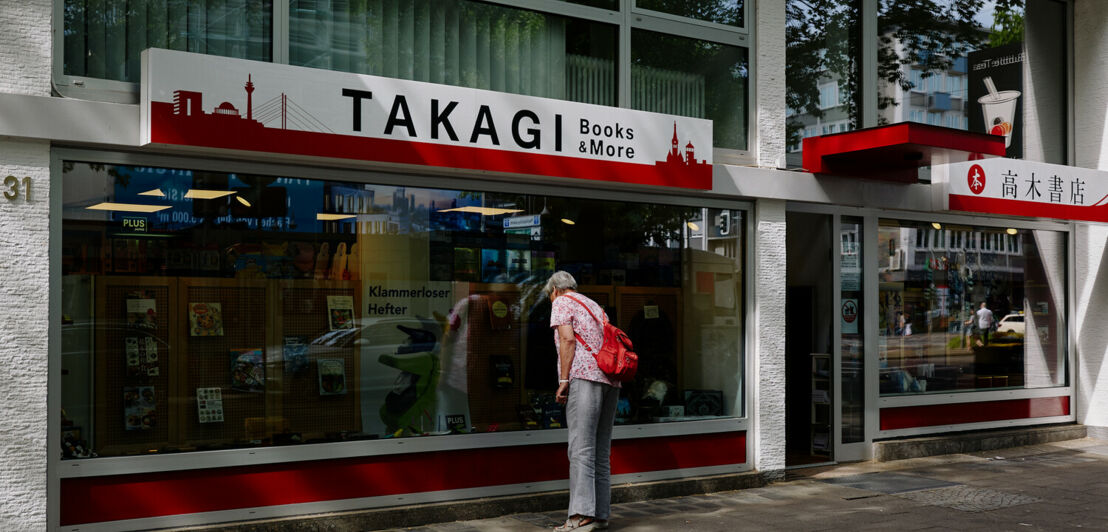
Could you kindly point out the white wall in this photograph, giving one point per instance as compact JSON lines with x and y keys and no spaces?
{"x":1090,"y":83}
{"x":1091,"y":313}
{"x":769,"y":82}
{"x":24,"y":280}
{"x":1090,"y":22}
{"x":768,"y":410}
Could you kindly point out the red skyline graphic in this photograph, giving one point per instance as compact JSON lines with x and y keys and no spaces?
{"x":184,"y":122}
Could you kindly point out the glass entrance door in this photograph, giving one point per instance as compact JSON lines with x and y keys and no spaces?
{"x":850,"y":368}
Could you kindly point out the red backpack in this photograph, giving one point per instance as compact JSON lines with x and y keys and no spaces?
{"x":616,"y":357}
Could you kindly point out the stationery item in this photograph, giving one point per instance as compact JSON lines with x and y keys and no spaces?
{"x":209,"y":405}
{"x":322,"y":259}
{"x":332,"y":376}
{"x":205,"y":319}
{"x":139,"y":408}
{"x":340,"y":312}
{"x":248,"y":370}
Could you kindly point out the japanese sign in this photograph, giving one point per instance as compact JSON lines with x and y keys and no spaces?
{"x":1024,"y":188}
{"x":222,"y":103}
{"x":996,"y":95}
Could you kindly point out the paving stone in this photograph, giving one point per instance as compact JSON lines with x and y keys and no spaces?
{"x":968,"y":498}
{"x":889,"y":482}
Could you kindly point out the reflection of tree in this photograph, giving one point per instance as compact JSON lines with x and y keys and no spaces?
{"x":823,"y":43}
{"x":633,"y":225}
{"x":721,"y":11}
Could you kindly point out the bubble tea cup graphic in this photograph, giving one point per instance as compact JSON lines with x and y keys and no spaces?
{"x":999,"y":108}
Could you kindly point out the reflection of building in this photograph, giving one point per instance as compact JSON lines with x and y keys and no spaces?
{"x":938,"y":99}
{"x":935,"y":98}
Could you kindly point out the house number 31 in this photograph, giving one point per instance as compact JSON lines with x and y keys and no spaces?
{"x":12,"y":189}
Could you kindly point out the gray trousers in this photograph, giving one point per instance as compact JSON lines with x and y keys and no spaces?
{"x":590,"y":414}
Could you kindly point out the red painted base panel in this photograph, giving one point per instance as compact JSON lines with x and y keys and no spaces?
{"x":111,"y":498}
{"x":907,"y":417}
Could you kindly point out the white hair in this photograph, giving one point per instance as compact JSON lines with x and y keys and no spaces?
{"x":559,"y":280}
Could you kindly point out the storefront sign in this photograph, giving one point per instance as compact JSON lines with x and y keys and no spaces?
{"x":996,"y":95}
{"x":1023,"y":188}
{"x":216,"y":102}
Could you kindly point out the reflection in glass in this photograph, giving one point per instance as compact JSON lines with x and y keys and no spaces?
{"x":972,"y":66}
{"x":852,"y":329}
{"x":263,"y":310}
{"x":822,"y":69}
{"x":458,"y":42}
{"x":687,"y":77}
{"x":104,"y":39}
{"x":728,"y":12}
{"x":970,"y":308}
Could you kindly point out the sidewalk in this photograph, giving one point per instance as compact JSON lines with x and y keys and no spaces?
{"x":1054,"y":486}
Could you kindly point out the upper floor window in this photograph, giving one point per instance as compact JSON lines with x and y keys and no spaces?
{"x":566,"y":49}
{"x":104,"y":39}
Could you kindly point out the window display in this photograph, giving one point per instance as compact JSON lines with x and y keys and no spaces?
{"x":249,"y":310}
{"x":970,"y":308}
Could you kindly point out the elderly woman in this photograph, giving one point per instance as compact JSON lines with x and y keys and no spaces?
{"x":590,"y":399}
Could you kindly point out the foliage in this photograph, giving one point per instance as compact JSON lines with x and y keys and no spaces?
{"x":823,"y":43}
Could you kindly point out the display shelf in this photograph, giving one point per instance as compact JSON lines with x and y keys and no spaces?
{"x":821,"y":403}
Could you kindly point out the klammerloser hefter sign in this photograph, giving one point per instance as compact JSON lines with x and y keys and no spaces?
{"x":216,"y":102}
{"x":1025,"y":188}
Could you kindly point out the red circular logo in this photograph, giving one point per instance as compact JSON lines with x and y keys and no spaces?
{"x":976,"y":179}
{"x":850,"y":311}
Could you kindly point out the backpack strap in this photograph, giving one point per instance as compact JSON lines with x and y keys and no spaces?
{"x":593,"y":316}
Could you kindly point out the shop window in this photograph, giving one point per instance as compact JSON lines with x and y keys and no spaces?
{"x":935,"y":335}
{"x":458,"y":42}
{"x":822,"y":66}
{"x":105,"y":39}
{"x":977,"y":63}
{"x":213,"y":310}
{"x":688,"y":77}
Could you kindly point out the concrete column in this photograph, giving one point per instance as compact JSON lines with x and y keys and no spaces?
{"x":1091,"y":310}
{"x":1090,"y":124}
{"x":768,"y":410}
{"x":1090,"y":84}
{"x":769,"y":82}
{"x":25,"y":51}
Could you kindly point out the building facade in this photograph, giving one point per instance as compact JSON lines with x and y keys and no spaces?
{"x":281,"y":258}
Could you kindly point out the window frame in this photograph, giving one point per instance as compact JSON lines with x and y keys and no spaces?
{"x":435,"y":178}
{"x":627,"y":19}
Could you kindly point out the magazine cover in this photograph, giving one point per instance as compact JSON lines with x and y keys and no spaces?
{"x":139,"y":407}
{"x":493,"y":267}
{"x":205,"y":319}
{"x":332,"y":376}
{"x":340,"y":312}
{"x":142,"y":314}
{"x":296,"y":355}
{"x":248,"y":370}
{"x":466,"y":264}
{"x":209,"y":405}
{"x":519,"y":264}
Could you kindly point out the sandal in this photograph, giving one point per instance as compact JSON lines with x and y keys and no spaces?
{"x":579,"y":523}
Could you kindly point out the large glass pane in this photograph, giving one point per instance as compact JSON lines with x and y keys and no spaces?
{"x":458,"y":42}
{"x":971,"y":65}
{"x":211,"y":310}
{"x":970,"y":308}
{"x":728,"y":12}
{"x":103,"y":38}
{"x":852,"y":330}
{"x":688,"y":77}
{"x":822,"y":70}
